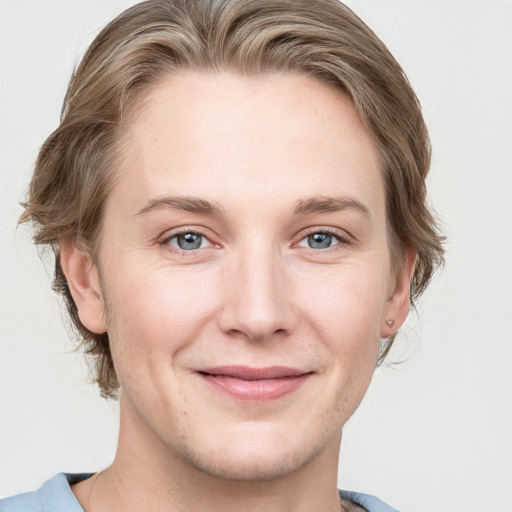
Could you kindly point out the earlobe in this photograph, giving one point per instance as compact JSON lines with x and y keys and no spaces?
{"x":398,"y":303}
{"x":84,"y":284}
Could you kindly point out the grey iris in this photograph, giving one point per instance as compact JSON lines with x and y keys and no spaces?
{"x":319,"y":240}
{"x":189,"y":241}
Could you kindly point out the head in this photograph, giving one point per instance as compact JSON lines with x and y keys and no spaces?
{"x":261,"y":52}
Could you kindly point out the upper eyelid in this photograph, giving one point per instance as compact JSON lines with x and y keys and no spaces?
{"x":165,"y":239}
{"x":339,"y":233}
{"x":171,"y":233}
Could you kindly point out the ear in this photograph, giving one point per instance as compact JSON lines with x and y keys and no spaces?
{"x":84,"y":284}
{"x":398,"y":303}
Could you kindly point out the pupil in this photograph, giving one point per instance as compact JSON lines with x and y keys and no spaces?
{"x":319,"y":240}
{"x":189,"y":241}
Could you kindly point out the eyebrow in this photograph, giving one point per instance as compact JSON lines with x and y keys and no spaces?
{"x":184,"y":203}
{"x":308,"y":206}
{"x":330,"y":205}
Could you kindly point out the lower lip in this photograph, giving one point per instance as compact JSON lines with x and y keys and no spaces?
{"x":261,"y":390}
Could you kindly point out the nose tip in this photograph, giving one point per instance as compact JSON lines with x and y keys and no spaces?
{"x":259,"y":303}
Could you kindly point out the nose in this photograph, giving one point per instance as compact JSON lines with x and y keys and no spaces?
{"x":258,"y":300}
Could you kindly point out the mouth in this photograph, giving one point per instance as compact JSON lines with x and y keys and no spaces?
{"x":254,"y":384}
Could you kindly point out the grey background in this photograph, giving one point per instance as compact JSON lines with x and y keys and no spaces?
{"x":434,"y":433}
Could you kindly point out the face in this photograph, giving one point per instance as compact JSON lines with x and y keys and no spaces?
{"x":245,"y":270}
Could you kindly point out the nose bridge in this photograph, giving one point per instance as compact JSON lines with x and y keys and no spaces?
{"x":259,"y":302}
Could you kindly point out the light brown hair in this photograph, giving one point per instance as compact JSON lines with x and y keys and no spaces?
{"x":154,"y":39}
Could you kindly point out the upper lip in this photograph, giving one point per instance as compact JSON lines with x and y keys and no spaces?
{"x":249,"y":373}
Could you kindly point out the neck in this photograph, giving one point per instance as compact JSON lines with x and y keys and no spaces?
{"x":146,"y":475}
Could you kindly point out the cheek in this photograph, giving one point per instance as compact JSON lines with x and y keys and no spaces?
{"x":344,"y":312}
{"x":346,"y":304}
{"x":155,"y":314}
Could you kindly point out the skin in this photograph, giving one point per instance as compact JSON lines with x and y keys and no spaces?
{"x":280,"y":157}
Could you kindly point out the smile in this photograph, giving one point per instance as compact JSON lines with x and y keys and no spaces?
{"x":255,"y":384}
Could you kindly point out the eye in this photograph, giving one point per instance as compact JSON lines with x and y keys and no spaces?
{"x":188,"y":241}
{"x":321,"y":240}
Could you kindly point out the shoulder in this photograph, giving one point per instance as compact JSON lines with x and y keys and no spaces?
{"x":26,"y":502}
{"x":55,"y":495}
{"x":367,"y":502}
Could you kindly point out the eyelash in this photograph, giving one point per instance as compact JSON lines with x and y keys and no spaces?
{"x":185,"y":231}
{"x":342,"y":238}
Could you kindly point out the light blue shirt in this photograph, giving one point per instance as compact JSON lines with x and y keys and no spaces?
{"x":55,"y":495}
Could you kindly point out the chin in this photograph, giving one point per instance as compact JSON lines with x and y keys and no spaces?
{"x":251,"y":467}
{"x":260,"y":458}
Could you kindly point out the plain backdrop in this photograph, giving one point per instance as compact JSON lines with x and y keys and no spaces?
{"x":435,"y":432}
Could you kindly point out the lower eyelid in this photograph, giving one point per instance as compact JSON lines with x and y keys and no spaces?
{"x":341,"y":238}
{"x":167,"y":239}
{"x":201,"y":246}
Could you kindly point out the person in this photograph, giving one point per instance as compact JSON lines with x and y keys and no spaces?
{"x":236,"y":201}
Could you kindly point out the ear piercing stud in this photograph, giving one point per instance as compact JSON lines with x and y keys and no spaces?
{"x":390,"y":323}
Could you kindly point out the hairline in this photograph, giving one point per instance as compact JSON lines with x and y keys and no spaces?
{"x":137,"y":101}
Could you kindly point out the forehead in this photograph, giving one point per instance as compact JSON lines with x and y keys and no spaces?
{"x":247,"y":138}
